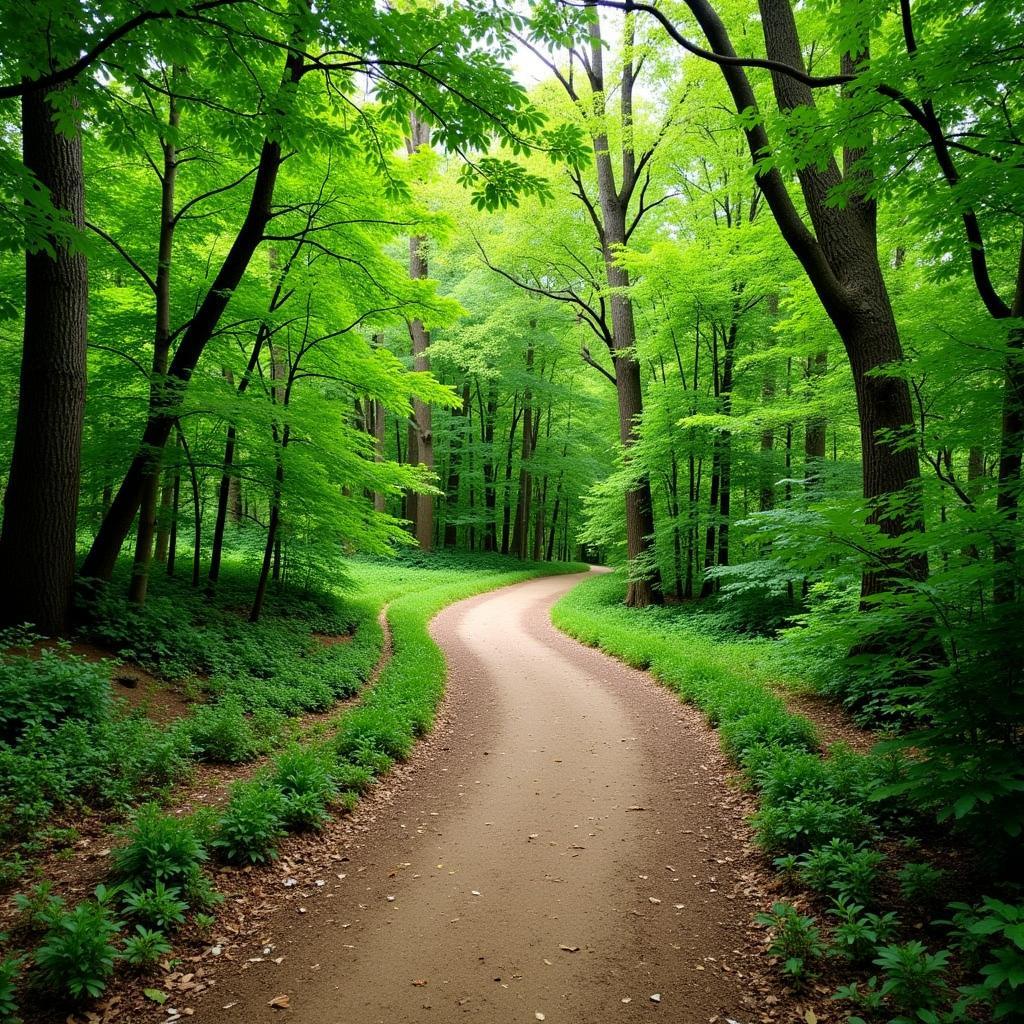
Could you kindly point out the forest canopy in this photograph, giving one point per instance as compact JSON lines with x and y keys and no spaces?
{"x":726,"y":293}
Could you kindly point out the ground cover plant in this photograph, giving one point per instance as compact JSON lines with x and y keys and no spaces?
{"x":826,"y":817}
{"x":159,"y":880}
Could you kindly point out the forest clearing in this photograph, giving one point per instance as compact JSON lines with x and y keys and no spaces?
{"x":511,"y":511}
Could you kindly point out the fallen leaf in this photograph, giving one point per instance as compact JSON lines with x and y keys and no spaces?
{"x":656,"y":998}
{"x":279,"y":1003}
{"x":540,"y":1016}
{"x":569,"y":949}
{"x":811,"y":1017}
{"x":159,"y":996}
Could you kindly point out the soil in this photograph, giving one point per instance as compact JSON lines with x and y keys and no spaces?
{"x":568,"y":845}
{"x":833,"y":723}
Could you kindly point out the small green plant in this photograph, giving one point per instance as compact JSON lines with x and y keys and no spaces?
{"x":252,"y":823}
{"x":145,"y":947}
{"x":198,"y":892}
{"x":10,"y":968}
{"x":161,"y":848}
{"x":806,"y":822}
{"x":159,"y":907}
{"x":11,"y":870}
{"x":204,"y":922}
{"x":913,"y":979}
{"x":840,"y":868}
{"x":857,"y":935}
{"x":796,"y":941}
{"x":40,"y":907}
{"x":223,"y":733}
{"x":920,"y":883}
{"x":77,"y":954}
{"x":304,"y":777}
{"x":989,"y":938}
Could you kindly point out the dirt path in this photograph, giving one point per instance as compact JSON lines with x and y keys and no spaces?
{"x":565,"y":846}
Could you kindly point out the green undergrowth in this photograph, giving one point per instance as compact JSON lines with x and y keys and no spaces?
{"x":159,"y":881}
{"x":836,"y":822}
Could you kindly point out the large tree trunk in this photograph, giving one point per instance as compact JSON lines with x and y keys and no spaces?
{"x":840,"y":258}
{"x":644,"y":585}
{"x":161,"y":350}
{"x":106,"y":546}
{"x":37,"y":542}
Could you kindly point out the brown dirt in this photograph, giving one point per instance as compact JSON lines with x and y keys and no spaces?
{"x":567,"y":843}
{"x":157,"y":699}
{"x":834,"y":724}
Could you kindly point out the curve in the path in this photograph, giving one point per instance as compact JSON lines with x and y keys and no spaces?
{"x":566,"y":847}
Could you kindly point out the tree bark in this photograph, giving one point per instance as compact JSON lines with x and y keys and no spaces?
{"x":37,"y":541}
{"x":644,"y":586}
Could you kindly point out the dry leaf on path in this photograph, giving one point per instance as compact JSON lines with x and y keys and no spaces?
{"x":279,"y":1003}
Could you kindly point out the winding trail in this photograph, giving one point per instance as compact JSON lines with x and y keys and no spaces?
{"x":564,"y":846}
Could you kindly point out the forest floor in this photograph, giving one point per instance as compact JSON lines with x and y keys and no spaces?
{"x":567,"y":845}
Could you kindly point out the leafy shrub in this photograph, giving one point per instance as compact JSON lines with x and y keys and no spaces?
{"x":990,"y":940}
{"x":350,"y":776}
{"x":920,"y":883}
{"x":373,"y":728}
{"x":40,"y":907}
{"x":914,"y":979}
{"x":57,"y":686}
{"x":11,"y":869}
{"x":796,"y":940}
{"x":102,"y":757}
{"x":204,"y":922}
{"x":77,"y":954}
{"x":158,"y":906}
{"x":198,"y":891}
{"x":10,"y":968}
{"x":252,"y":823}
{"x":224,"y":734}
{"x":145,"y":947}
{"x":161,"y":848}
{"x":858,"y":935}
{"x":804,"y":823}
{"x":839,"y":867}
{"x":770,"y":726}
{"x":304,"y":777}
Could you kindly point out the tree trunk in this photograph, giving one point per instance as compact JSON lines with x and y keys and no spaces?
{"x":161,"y":350}
{"x":419,"y":135}
{"x":506,"y":512}
{"x":840,"y":257}
{"x":37,"y":541}
{"x":814,"y":431}
{"x":490,"y":471}
{"x":172,"y":537}
{"x":163,"y":523}
{"x":458,"y":441}
{"x":521,"y":527}
{"x":100,"y":561}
